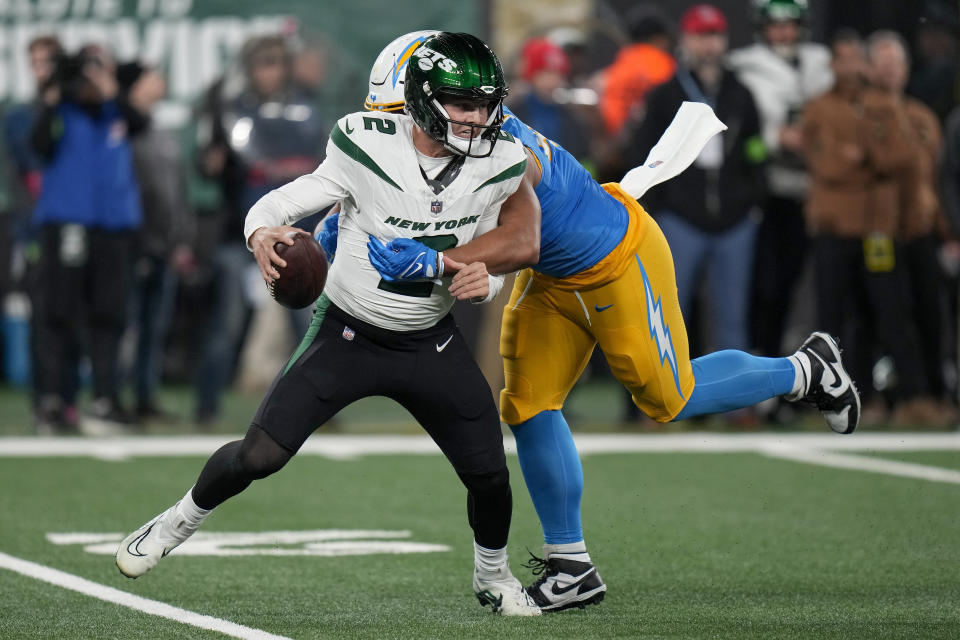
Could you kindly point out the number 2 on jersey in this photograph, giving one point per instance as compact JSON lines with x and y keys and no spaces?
{"x":383,"y":126}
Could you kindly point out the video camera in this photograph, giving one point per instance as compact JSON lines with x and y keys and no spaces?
{"x":71,"y":74}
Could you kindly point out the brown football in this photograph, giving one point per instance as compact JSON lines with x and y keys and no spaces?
{"x":301,"y":281}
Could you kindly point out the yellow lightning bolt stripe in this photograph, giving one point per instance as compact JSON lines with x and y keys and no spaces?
{"x":404,"y":57}
{"x":659,"y":330}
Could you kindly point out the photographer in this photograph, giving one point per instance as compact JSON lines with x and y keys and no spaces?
{"x":87,"y":214}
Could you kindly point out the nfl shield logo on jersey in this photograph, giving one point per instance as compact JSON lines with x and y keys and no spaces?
{"x":348,"y":333}
{"x":436,"y":206}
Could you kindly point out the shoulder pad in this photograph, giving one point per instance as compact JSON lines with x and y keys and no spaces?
{"x":509,"y":160}
{"x":366,"y":137}
{"x":508,"y":146}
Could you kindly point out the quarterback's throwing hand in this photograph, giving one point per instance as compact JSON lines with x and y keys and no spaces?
{"x":262,"y":241}
{"x":471,"y":282}
{"x":404,"y":259}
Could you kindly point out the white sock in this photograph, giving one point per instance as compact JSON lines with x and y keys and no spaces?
{"x":190,"y":512}
{"x":489,"y":560}
{"x":569,"y":551}
{"x":800,"y":376}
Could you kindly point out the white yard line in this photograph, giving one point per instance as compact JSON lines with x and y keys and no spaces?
{"x":758,"y":442}
{"x":348,"y":446}
{"x":865,"y":463}
{"x":813,"y":448}
{"x":131,"y":601}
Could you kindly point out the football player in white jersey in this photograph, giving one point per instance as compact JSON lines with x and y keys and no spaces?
{"x":410,"y":187}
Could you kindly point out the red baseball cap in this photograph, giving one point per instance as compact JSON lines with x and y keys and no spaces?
{"x":540,"y":54}
{"x":703,"y":18}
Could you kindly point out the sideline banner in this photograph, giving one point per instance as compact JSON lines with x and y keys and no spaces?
{"x":193,"y":40}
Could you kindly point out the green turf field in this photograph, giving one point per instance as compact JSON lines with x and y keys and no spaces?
{"x":691,"y":545}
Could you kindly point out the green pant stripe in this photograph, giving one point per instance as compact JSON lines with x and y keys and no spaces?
{"x":318,"y":314}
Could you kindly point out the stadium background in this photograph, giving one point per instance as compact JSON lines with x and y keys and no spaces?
{"x":195,"y":42}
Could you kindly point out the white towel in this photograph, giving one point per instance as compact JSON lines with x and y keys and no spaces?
{"x":694,"y":125}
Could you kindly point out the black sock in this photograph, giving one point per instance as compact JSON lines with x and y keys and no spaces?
{"x":489,"y":507}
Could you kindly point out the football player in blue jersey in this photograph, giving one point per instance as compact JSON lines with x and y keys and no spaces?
{"x":604,"y":275}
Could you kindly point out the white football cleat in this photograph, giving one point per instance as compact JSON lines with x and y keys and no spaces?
{"x":144,"y":548}
{"x":503,"y":593}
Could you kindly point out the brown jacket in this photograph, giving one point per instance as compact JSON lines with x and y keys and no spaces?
{"x":922,"y":213}
{"x":856,"y":146}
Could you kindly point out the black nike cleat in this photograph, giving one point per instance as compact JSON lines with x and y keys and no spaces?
{"x":826,"y":384}
{"x":564,"y":583}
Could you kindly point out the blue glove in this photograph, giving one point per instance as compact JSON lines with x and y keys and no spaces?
{"x":403,"y":259}
{"x":327,"y":235}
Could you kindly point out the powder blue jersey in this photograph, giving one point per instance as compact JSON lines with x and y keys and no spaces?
{"x":580,"y":222}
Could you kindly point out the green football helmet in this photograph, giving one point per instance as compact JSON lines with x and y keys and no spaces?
{"x":455,"y":65}
{"x":780,"y":10}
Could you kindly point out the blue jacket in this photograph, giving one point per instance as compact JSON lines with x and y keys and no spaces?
{"x":90,"y":178}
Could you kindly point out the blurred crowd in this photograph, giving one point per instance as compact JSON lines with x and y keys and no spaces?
{"x":832,"y":200}
{"x":123,"y":256}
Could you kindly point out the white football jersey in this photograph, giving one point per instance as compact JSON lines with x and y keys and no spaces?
{"x":371,"y":167}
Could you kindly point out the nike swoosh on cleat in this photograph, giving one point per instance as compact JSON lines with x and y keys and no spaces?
{"x":603,"y":308}
{"x":485,"y":598}
{"x":441,"y":347}
{"x":559,"y":591}
{"x":837,"y":384}
{"x":135,"y":543}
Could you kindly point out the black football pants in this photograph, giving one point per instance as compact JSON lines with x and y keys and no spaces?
{"x":431,"y":373}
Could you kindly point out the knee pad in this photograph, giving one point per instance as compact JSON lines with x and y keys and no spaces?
{"x":487,"y":484}
{"x":260,"y":455}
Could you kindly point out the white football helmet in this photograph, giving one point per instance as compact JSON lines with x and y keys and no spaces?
{"x":386,"y":77}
